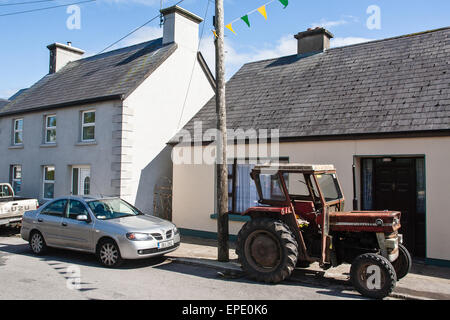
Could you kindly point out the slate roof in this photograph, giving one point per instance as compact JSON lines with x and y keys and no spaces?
{"x":393,"y":85}
{"x":111,"y":75}
{"x":3,"y":103}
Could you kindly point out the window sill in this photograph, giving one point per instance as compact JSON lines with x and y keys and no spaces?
{"x":19,"y":146}
{"x":232,"y":217}
{"x":86,"y":143}
{"x":48,"y":145}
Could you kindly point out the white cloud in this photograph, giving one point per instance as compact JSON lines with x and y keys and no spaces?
{"x":346,"y":41}
{"x":328,"y":24}
{"x":234,"y":59}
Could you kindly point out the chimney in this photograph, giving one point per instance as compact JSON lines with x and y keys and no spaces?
{"x":181,"y":27}
{"x":61,"y":54}
{"x":313,"y":41}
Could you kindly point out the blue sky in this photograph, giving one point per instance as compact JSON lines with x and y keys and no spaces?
{"x":24,"y":37}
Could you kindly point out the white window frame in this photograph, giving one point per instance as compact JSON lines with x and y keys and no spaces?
{"x":84,"y":125}
{"x":47,"y":128}
{"x":15,"y":180}
{"x":44,"y":181}
{"x":17,"y":131}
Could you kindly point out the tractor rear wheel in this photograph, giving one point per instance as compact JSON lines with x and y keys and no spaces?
{"x":373,"y":275}
{"x":402,"y":264}
{"x":267,"y":250}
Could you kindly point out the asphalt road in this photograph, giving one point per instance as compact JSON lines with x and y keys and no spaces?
{"x":64,"y":274}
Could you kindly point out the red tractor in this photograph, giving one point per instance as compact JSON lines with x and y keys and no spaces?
{"x":300,"y":220}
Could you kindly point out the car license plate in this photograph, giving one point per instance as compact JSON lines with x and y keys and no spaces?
{"x":165,"y":244}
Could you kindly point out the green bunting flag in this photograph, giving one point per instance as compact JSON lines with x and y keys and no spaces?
{"x":245,"y":19}
{"x":260,"y":9}
{"x":284,"y":2}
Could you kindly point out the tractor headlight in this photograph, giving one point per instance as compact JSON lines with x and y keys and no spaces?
{"x":136,"y":236}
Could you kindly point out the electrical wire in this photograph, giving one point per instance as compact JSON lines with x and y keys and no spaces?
{"x":45,"y":8}
{"x":21,"y":3}
{"x":141,"y":26}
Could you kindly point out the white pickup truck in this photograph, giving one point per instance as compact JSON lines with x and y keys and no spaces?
{"x":12,"y":208}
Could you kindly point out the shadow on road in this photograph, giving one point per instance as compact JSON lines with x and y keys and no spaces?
{"x":300,"y":278}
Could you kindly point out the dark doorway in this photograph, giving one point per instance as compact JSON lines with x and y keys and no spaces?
{"x":392,"y":183}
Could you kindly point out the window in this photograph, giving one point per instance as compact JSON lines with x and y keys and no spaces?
{"x":88,"y":126}
{"x":242,"y":193}
{"x":49,"y":182}
{"x":56,"y":208}
{"x":16,"y":178}
{"x":18,"y":132}
{"x":50,"y":129}
{"x":5,"y":191}
{"x":76,"y":208}
{"x":329,"y":186}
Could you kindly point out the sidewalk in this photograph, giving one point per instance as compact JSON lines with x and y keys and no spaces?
{"x":424,"y":281}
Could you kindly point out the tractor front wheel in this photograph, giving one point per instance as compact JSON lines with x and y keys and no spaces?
{"x":373,"y":275}
{"x":267,"y":250}
{"x":402,"y":264}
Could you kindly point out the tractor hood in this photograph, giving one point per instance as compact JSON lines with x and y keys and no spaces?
{"x":365,"y":221}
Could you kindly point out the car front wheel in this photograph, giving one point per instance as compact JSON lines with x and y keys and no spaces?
{"x":108,"y":254}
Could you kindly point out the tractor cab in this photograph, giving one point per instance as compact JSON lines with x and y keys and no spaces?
{"x":307,"y":188}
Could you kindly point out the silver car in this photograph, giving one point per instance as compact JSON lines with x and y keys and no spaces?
{"x":109,"y":227}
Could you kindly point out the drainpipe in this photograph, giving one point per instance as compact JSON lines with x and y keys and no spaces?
{"x":355,"y":199}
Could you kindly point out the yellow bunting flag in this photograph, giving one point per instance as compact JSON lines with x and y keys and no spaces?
{"x":229,"y":27}
{"x":215,"y":34}
{"x":262,"y":10}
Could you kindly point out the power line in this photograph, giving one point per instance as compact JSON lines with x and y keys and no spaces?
{"x":130,"y":33}
{"x":46,"y":8}
{"x":20,"y":3}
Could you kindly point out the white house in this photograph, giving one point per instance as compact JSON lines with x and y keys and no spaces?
{"x":379,"y":111}
{"x":99,"y":125}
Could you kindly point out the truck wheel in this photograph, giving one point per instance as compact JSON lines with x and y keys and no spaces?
{"x":37,"y":243}
{"x":267,"y":250}
{"x":403,"y":263}
{"x":373,"y":275}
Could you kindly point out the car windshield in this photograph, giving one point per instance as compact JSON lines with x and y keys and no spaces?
{"x":106,"y":209}
{"x":330,"y":187}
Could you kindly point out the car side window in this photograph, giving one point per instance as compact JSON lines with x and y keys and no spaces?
{"x":76,"y":208}
{"x":56,"y":208}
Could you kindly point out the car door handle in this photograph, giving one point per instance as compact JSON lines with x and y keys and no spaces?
{"x":40,"y":220}
{"x":64,"y":224}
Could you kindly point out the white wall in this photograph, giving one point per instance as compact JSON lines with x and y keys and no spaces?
{"x":193,"y":194}
{"x":157,"y":106}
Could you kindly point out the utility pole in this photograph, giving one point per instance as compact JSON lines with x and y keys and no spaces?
{"x":221,"y":151}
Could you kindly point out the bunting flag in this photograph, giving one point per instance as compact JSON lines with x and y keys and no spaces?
{"x":284,"y":3}
{"x":229,"y":27}
{"x":214,"y":32}
{"x":262,"y":10}
{"x":246,"y":19}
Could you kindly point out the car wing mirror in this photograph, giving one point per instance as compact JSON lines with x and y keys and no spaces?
{"x":83,"y":217}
